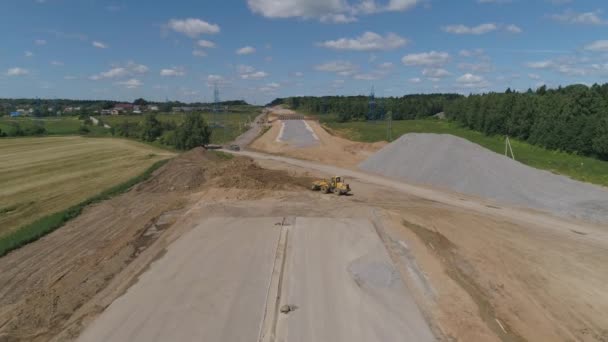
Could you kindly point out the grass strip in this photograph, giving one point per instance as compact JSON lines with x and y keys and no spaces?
{"x":45,"y":225}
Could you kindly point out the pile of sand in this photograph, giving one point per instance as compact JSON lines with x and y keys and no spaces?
{"x":453,"y":163}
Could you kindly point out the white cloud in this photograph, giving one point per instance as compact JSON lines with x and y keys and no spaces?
{"x":477,"y":30}
{"x":342,"y":68}
{"x":172,"y":72}
{"x":432,"y":58}
{"x":598,"y":45}
{"x":29,"y":54}
{"x":368,"y":76}
{"x":70,"y":77}
{"x":386,"y":65}
{"x":131,"y":84}
{"x":269,"y":87}
{"x":298,"y":74}
{"x":199,"y":53}
{"x":471,"y":53}
{"x":334,"y":11}
{"x":100,"y":45}
{"x":540,"y":64}
{"x":480,"y":29}
{"x":213,"y":80}
{"x":534,"y":76}
{"x":17,"y":72}
{"x":514,"y":29}
{"x":247,"y":50}
{"x":436,"y":73}
{"x":570,"y":66}
{"x":415,"y":80}
{"x":130,"y":69}
{"x":368,"y":41}
{"x":192,"y":27}
{"x":247,"y":72}
{"x":401,"y":5}
{"x":257,"y":75}
{"x":40,"y":42}
{"x":482,"y":66}
{"x":57,"y":63}
{"x":205,"y":44}
{"x":472,"y":81}
{"x":588,"y":18}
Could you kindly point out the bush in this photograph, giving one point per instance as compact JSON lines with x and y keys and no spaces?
{"x":84,"y":130}
{"x":193,"y":132}
{"x":151,"y":128}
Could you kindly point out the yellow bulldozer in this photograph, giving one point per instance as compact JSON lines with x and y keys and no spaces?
{"x":335,"y":185}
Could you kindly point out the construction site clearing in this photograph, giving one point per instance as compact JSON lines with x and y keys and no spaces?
{"x":216,"y":248}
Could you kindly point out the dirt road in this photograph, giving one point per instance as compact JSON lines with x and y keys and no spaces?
{"x":308,"y":140}
{"x":214,"y":284}
{"x":345,"y":287}
{"x":210,"y":285}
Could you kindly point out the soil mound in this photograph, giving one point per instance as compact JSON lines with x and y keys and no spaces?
{"x":198,"y":168}
{"x":446,"y":161}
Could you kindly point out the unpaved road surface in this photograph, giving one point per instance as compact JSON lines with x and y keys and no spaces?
{"x":214,"y":284}
{"x":297,"y":133}
{"x":211,"y":285}
{"x":306,"y":139}
{"x":345,"y":287}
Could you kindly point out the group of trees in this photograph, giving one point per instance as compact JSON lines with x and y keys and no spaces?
{"x":192,"y":132}
{"x":354,"y":108}
{"x":17,"y":130}
{"x":572,"y":119}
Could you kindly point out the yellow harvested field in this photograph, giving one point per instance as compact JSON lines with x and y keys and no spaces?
{"x":40,"y":176}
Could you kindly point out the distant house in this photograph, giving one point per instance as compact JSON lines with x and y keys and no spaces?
{"x":124,"y":107}
{"x":105,"y":112}
{"x":153,"y":108}
{"x":136,"y":110}
{"x":15,"y":114}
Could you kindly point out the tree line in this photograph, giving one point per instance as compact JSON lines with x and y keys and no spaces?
{"x":192,"y":132}
{"x":572,"y":119}
{"x":357,"y":108}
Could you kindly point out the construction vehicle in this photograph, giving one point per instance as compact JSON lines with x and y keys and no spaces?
{"x":335,"y":185}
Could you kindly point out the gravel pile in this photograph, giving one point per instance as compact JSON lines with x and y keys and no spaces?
{"x":449,"y":162}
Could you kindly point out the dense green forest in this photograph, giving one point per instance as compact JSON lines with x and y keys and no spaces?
{"x":354,"y":108}
{"x":572,"y":119}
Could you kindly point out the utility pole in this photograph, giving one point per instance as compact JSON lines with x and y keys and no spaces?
{"x":508,"y":148}
{"x":389,"y":126}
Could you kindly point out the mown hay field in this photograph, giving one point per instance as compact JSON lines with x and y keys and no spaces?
{"x":40,"y":176}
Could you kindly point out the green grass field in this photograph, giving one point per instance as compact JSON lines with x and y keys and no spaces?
{"x":581,"y":168}
{"x":45,"y":175}
{"x":67,"y":125}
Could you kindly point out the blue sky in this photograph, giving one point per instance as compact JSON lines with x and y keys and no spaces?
{"x":261,"y":49}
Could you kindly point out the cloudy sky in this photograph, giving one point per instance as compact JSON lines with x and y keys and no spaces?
{"x":261,"y":49}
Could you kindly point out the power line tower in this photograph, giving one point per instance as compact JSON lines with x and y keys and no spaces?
{"x":371,"y":115}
